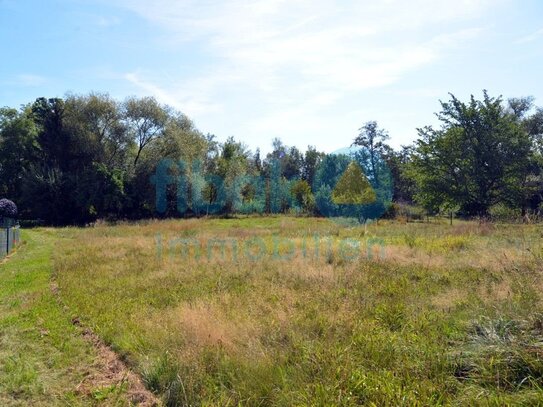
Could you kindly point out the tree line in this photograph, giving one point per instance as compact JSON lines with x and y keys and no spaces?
{"x":88,"y":157}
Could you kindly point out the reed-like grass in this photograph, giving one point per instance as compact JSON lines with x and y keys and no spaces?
{"x":426,"y":314}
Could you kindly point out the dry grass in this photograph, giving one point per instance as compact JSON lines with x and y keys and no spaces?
{"x":304,"y":322}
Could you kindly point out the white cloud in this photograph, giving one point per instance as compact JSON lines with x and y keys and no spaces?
{"x":152,"y":89}
{"x":185,"y":98}
{"x":297,"y":57}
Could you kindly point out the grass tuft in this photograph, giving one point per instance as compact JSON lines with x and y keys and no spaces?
{"x":437,"y":315}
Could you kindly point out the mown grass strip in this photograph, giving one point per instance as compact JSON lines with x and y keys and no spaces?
{"x":43,"y":357}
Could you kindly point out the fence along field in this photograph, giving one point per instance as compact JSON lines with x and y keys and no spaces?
{"x":9,"y":238}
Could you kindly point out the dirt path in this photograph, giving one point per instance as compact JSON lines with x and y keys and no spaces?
{"x":46,"y":358}
{"x":109,"y":371}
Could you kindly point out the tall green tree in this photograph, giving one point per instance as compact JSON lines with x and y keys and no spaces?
{"x":19,"y":149}
{"x":353,"y":188}
{"x":100,"y":148}
{"x":146,"y":120}
{"x":478,"y":158}
{"x":531,"y":118}
{"x":311,"y":161}
{"x":398,"y":164}
{"x":50,"y":188}
{"x":372,"y":139}
{"x":233,"y":164}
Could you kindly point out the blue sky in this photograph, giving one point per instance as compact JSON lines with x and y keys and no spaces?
{"x":309,"y":72}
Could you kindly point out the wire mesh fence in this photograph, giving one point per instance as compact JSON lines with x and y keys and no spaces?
{"x":9,"y":238}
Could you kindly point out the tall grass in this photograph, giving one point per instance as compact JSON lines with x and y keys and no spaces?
{"x":438,"y":315}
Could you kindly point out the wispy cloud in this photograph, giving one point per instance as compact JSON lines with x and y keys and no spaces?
{"x":188,"y":96}
{"x":155,"y":90}
{"x":287,"y":54}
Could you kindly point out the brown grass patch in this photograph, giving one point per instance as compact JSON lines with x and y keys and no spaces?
{"x":497,"y":292}
{"x":448,"y":299}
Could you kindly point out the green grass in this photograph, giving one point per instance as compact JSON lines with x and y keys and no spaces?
{"x":43,"y":357}
{"x":449,"y":316}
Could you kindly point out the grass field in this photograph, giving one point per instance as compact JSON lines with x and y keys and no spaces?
{"x":46,"y":359}
{"x":250,"y":312}
{"x":275,"y":311}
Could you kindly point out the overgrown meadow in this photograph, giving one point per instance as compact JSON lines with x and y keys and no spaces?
{"x":304,"y":311}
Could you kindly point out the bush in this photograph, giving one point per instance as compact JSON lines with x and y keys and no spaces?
{"x":393,"y":211}
{"x":405,"y":211}
{"x":504,"y":214}
{"x":8,"y":209}
{"x":31,"y":223}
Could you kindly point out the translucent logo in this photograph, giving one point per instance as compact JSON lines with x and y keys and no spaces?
{"x":352,"y":185}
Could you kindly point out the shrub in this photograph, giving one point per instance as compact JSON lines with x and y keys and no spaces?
{"x":393,"y":211}
{"x":503,"y":213}
{"x":399,"y":210}
{"x":8,"y":209}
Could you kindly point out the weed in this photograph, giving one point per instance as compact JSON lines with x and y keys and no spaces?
{"x":395,"y":329}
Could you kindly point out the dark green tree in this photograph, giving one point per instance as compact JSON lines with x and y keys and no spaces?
{"x":311,"y":161}
{"x":478,"y":158}
{"x":19,"y":149}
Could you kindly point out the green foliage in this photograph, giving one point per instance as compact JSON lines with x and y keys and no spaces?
{"x":505,"y":213}
{"x":146,"y":120}
{"x":303,"y":196}
{"x":353,"y":188}
{"x":86,"y":157}
{"x":18,"y":149}
{"x":232,"y":164}
{"x":480,"y":157}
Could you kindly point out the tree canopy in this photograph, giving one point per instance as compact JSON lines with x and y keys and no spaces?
{"x":85,"y":157}
{"x":481,"y":156}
